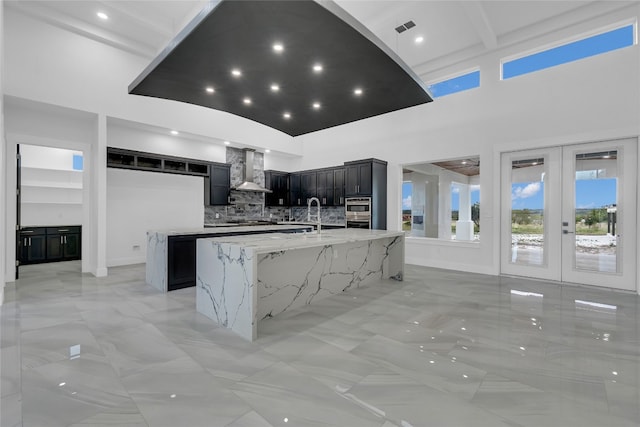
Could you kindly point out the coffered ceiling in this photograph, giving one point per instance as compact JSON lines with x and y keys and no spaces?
{"x":445,"y":32}
{"x":452,"y":30}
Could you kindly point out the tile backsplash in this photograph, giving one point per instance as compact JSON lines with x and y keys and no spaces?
{"x":250,"y":204}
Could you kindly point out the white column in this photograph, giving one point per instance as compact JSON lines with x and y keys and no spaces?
{"x":3,"y":149}
{"x":418,"y":194}
{"x":445,"y":207}
{"x":99,"y":198}
{"x":464,"y":225}
{"x":432,"y":206}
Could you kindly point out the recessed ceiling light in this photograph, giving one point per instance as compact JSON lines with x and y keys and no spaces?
{"x":209,"y":89}
{"x":247,"y":101}
{"x":317,"y":68}
{"x":227,"y":143}
{"x":419,"y":39}
{"x":286,"y":115}
{"x":174,"y":132}
{"x":236,"y":72}
{"x":316,"y":105}
{"x":464,"y":162}
{"x":275,"y":87}
{"x":357,"y":91}
{"x":278,"y":47}
{"x":267,"y":151}
{"x":606,"y":156}
{"x":102,"y":15}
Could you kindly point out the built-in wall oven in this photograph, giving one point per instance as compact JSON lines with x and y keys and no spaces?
{"x":358,"y":212}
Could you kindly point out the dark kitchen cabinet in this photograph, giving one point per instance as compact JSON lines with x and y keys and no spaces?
{"x":325,"y":186}
{"x":33,"y":245}
{"x":181,"y":262}
{"x":308,"y":182}
{"x":368,"y":178}
{"x":295,"y":190}
{"x":63,"y":243}
{"x":219,"y":184}
{"x":50,"y":244}
{"x":278,"y":183}
{"x":338,"y":187}
{"x":359,"y":177}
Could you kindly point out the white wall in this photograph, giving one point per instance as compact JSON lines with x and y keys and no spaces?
{"x":54,"y":66}
{"x":2,"y":159}
{"x":140,"y":201}
{"x":589,"y":100}
{"x":153,"y":141}
{"x":39,"y":124}
{"x":51,"y":190}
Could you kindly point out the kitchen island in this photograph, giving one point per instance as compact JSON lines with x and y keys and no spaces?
{"x":171,"y":254}
{"x":244,"y":279}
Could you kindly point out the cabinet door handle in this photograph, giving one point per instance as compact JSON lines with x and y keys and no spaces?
{"x":61,"y":240}
{"x":63,"y":229}
{"x":29,"y":241}
{"x":65,"y":240}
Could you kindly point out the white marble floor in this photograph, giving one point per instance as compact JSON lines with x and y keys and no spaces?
{"x":442,"y":348}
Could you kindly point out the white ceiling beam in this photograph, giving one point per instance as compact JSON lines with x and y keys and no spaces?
{"x":478,"y":17}
{"x":163,"y":30}
{"x":54,"y":17}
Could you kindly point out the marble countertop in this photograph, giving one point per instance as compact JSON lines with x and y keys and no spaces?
{"x":333,"y":224}
{"x":228,"y":229}
{"x":276,"y":242}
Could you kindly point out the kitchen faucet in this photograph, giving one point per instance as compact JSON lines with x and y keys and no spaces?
{"x":309,"y":201}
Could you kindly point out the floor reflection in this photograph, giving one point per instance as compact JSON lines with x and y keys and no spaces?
{"x":442,"y":348}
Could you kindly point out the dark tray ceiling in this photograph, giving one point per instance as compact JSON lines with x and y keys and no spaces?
{"x":241,"y":34}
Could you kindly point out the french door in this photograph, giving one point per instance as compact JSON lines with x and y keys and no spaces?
{"x":569,"y":213}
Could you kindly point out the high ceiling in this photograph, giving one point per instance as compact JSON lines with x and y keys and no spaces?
{"x":296,"y":66}
{"x":452,"y":30}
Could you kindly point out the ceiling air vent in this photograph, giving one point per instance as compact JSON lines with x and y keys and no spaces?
{"x":406,"y":26}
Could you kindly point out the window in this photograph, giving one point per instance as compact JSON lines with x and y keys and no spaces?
{"x":456,"y":84}
{"x":442,"y":199}
{"x":77,"y":162}
{"x":584,"y":48}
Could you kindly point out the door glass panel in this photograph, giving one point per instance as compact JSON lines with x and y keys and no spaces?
{"x":596,"y":189}
{"x":527,"y":212}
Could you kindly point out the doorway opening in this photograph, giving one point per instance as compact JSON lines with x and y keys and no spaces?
{"x":49,"y":206}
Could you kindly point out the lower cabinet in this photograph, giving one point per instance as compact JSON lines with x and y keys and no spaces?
{"x":50,"y":244}
{"x":33,"y":245}
{"x":181,"y":262}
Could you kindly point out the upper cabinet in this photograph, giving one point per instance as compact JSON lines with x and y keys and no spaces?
{"x":219,"y":184}
{"x":278,"y":183}
{"x":361,"y":176}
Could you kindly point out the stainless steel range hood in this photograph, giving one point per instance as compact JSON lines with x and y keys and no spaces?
{"x":248,"y":184}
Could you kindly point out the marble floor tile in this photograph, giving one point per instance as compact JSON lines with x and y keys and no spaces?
{"x":441,"y":348}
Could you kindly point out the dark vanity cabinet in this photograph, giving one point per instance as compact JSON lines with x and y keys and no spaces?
{"x":50,"y":244}
{"x":219,"y":184}
{"x":33,"y":245}
{"x":278,"y":183}
{"x":63,"y":243}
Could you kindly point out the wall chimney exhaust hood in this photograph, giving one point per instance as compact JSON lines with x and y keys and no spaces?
{"x":248,"y":184}
{"x":328,"y":69}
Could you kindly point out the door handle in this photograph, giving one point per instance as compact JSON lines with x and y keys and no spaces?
{"x":65,"y":240}
{"x":29,"y":241}
{"x":568,"y":232}
{"x":61,"y":240}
